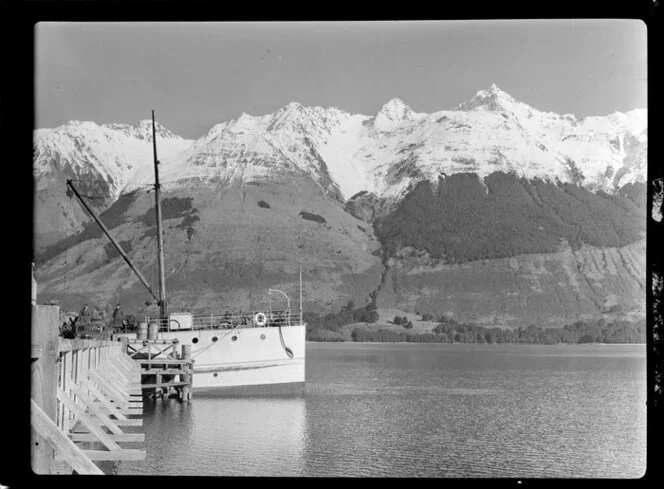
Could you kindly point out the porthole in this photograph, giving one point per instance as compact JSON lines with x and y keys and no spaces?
{"x":262,"y":336}
{"x":195,"y":340}
{"x":234,"y":338}
{"x":214,"y":338}
{"x":215,"y":374}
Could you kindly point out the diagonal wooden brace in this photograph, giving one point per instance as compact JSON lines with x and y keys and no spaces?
{"x":64,"y":447}
{"x":88,"y":421}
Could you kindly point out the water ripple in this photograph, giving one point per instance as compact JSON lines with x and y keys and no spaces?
{"x":404,"y":411}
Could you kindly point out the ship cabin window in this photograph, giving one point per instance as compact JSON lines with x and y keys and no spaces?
{"x":194,"y":340}
{"x":234,"y":338}
{"x":214,"y":338}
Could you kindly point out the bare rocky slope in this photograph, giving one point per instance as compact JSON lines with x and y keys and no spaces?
{"x":224,"y":247}
{"x":550,"y":289}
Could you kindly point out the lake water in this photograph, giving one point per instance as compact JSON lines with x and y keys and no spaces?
{"x":419,"y":410}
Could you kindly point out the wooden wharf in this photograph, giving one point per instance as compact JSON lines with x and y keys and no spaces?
{"x":84,"y":394}
{"x":87,"y":394}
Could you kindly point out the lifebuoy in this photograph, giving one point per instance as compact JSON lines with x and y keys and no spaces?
{"x":260,"y":319}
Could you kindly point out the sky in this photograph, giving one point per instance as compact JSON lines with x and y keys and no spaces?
{"x":195,"y":75}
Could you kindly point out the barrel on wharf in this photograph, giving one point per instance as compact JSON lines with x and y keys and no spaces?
{"x":142,"y":331}
{"x":153,"y":329}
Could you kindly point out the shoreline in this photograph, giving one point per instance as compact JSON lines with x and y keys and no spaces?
{"x":458,"y":343}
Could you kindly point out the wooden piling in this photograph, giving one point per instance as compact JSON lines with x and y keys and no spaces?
{"x":186,"y":390}
{"x":175,"y":355}
{"x":45,"y":329}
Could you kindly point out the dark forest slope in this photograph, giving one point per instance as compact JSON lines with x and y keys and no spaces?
{"x":462,"y":220}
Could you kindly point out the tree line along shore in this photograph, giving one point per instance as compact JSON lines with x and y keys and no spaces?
{"x":361,"y":323}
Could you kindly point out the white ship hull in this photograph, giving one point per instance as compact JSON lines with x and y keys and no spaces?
{"x":245,"y":360}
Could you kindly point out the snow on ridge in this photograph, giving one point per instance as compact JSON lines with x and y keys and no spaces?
{"x":395,"y":109}
{"x":492,"y":98}
{"x":108,"y":152}
{"x":393,"y":114}
{"x":382,"y":154}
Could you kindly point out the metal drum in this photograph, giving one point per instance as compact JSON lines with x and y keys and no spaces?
{"x":142,"y":331}
{"x":153,"y":329}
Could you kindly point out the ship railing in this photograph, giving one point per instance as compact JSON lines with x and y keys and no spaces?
{"x":232,"y":320}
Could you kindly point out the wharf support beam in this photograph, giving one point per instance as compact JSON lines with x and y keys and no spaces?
{"x":165,"y":367}
{"x":83,"y":391}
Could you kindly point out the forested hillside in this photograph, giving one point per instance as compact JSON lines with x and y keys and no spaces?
{"x":462,"y":219}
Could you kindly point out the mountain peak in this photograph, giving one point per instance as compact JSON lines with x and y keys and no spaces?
{"x":493,"y":91}
{"x":492,"y":99}
{"x":76,"y":124}
{"x":291,"y":107}
{"x":244,"y":123}
{"x":245,"y":118}
{"x":395,"y":109}
{"x":391,"y":114}
{"x":143,"y":130}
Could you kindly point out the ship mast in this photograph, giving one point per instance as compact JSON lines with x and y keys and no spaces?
{"x":163,"y":309}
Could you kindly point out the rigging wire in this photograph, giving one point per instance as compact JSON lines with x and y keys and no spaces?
{"x":100,"y":184}
{"x":211,"y":344}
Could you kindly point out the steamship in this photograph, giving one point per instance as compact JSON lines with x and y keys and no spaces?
{"x":253,"y":353}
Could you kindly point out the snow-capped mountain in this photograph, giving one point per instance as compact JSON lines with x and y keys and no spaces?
{"x":386,"y":153}
{"x":252,"y":148}
{"x":110,"y":153}
{"x":347,"y":153}
{"x":493,"y":132}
